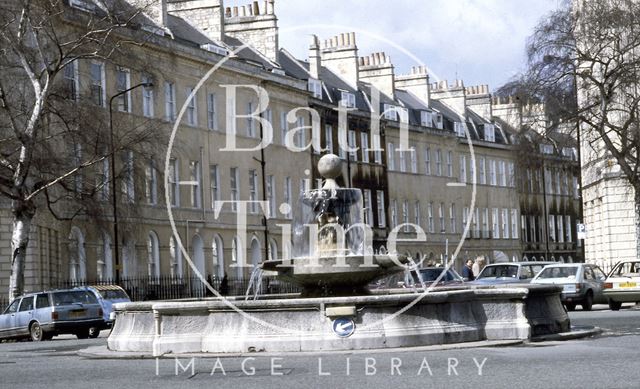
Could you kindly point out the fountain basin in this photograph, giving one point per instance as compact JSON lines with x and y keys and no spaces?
{"x":347,"y":275}
{"x":451,"y":315}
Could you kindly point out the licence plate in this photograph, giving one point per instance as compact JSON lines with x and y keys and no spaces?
{"x":569,"y":288}
{"x":627,"y":284}
{"x":77,"y":314}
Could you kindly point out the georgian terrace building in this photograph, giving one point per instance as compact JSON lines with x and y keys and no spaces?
{"x":428,"y":184}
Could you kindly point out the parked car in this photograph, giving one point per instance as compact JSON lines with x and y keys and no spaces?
{"x":509,"y":272}
{"x":581,"y":283}
{"x":623,"y":284}
{"x":428,"y":274}
{"x":107,"y":295}
{"x":42,"y":315}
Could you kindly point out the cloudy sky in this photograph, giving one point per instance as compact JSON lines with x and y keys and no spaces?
{"x":480,"y":40}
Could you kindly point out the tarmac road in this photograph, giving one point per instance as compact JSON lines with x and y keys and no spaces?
{"x":607,"y":361}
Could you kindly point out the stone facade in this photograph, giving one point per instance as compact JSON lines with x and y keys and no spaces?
{"x":428,"y":184}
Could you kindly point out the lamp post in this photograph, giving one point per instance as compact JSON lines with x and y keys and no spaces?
{"x":113,"y":176}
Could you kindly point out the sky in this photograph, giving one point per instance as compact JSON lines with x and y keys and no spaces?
{"x":482,"y":41}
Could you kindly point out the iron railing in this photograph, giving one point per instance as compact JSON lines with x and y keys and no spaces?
{"x":144,"y":288}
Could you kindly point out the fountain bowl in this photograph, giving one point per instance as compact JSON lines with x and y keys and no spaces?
{"x":330,"y":276}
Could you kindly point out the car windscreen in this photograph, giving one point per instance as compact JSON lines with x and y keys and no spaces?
{"x":73,"y":297}
{"x":559,"y":272}
{"x":626,"y":269}
{"x":113,"y":294}
{"x":499,"y":271}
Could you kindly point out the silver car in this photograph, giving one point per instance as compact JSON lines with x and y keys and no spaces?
{"x":509,"y":273}
{"x":581,"y":283}
{"x":40,"y":316}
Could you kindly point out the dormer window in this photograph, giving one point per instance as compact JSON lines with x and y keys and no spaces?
{"x":546,"y":149}
{"x":348,"y":100}
{"x":315,"y":86}
{"x":84,"y":5}
{"x":426,"y":119}
{"x":570,"y":152}
{"x":459,"y":128}
{"x":214,"y":49}
{"x":390,"y":112}
{"x":404,"y":114}
{"x":489,"y":133}
{"x":439,"y":121}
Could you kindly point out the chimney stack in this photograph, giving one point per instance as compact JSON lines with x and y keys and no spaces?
{"x":258,"y":28}
{"x":416,"y":82}
{"x":315,"y":60}
{"x":340,"y":54}
{"x":378,"y":70}
{"x":452,"y":95}
{"x":156,"y":11}
{"x":207,"y":15}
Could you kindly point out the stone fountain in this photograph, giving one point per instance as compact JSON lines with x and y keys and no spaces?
{"x":333,"y":254}
{"x":333,"y":261}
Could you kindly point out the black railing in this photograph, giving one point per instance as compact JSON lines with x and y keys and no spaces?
{"x":145,"y":288}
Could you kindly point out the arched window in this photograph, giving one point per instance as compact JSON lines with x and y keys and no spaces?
{"x":153,"y":255}
{"x":197,"y":255}
{"x":237,"y":256}
{"x":105,"y":258}
{"x":217,"y":256}
{"x":273,"y":250}
{"x":129,"y":260}
{"x":77,"y":257}
{"x":256,"y":252}
{"x":175,"y":255}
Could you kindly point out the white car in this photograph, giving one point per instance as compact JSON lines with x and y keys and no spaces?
{"x":623,"y":284}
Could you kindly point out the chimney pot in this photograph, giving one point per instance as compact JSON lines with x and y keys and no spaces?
{"x":352,"y":38}
{"x":315,"y":42}
{"x":256,"y":8}
{"x":270,"y":7}
{"x":341,"y":41}
{"x":235,"y":11}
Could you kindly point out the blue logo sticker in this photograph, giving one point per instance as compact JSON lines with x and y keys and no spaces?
{"x":343,"y":327}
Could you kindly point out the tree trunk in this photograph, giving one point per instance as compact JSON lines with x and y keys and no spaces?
{"x":23,"y":213}
{"x":637,"y":219}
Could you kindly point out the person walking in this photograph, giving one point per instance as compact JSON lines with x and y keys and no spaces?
{"x":478,"y":266}
{"x":467,"y":271}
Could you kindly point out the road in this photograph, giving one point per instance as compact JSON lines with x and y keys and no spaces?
{"x":607,"y":361}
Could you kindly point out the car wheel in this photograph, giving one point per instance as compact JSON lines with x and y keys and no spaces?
{"x":588,"y":301}
{"x":615,"y":305}
{"x":36,"y":332}
{"x":83,"y":334}
{"x":94,"y":332}
{"x":570,"y":307}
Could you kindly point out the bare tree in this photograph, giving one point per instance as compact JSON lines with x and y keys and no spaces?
{"x":584,"y":63}
{"x":53,"y":139}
